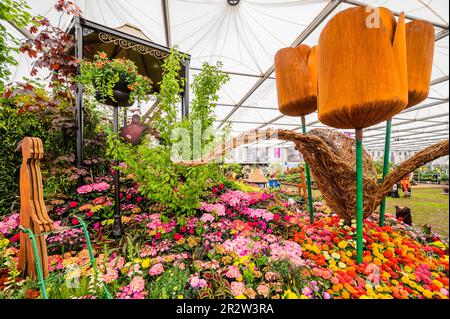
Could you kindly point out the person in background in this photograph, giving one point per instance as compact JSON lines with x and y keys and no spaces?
{"x":406,"y":184}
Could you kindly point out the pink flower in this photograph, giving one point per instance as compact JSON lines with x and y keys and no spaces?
{"x":233,"y":272}
{"x":137,"y":284}
{"x":15,"y":238}
{"x":207,"y":218}
{"x":139,"y":199}
{"x":156,"y":269}
{"x":196,"y":282}
{"x":75,"y":221}
{"x":263,"y":290}
{"x":237,"y":288}
{"x":215,"y":190}
{"x":177,"y":236}
{"x":73,"y":204}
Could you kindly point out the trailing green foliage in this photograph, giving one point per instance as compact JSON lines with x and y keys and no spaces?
{"x":103,"y":74}
{"x":171,"y":87}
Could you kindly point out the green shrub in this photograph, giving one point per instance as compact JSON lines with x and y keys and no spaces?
{"x":29,"y":110}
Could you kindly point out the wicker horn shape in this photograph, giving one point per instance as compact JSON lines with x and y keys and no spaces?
{"x":332,"y":158}
{"x":420,"y":50}
{"x":362,"y":74}
{"x":295,"y":80}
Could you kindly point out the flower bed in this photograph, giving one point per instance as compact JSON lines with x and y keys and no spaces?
{"x":240,"y":245}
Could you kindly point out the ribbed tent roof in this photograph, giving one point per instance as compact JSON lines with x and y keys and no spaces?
{"x":246,"y":36}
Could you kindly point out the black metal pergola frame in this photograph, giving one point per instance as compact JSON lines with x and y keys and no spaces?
{"x":79,"y":27}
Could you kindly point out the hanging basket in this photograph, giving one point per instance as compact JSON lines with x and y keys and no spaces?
{"x":121,"y":96}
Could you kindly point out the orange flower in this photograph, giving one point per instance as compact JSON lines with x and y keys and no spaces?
{"x":102,"y":55}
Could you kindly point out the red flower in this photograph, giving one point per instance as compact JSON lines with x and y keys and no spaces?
{"x":73,"y":204}
{"x":276,"y":217}
{"x":121,"y":195}
{"x":177,"y":236}
{"x":75,"y":221}
{"x":139,"y":199}
{"x":129,"y":196}
{"x":15,"y":238}
{"x":157,"y":235}
{"x":221,"y":186}
{"x":215,"y":190}
{"x":90,"y":214}
{"x":183,"y":229}
{"x":191,"y":231}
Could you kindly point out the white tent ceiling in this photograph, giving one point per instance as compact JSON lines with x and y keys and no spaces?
{"x":246,"y":37}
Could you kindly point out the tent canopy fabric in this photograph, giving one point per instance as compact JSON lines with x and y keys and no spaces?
{"x":245,"y":37}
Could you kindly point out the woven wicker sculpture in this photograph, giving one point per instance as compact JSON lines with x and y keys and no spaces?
{"x":332,"y":158}
{"x":420,"y":49}
{"x":362,"y":76}
{"x":296,"y":79}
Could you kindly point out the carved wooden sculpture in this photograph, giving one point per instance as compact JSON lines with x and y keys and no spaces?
{"x":362,"y":80}
{"x":296,"y":80}
{"x":420,"y":50}
{"x":33,"y":214}
{"x":362,"y":70}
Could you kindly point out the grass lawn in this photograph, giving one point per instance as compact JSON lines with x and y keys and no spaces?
{"x":428,"y":206}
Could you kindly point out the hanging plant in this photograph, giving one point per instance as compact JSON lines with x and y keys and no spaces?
{"x":105,"y":76}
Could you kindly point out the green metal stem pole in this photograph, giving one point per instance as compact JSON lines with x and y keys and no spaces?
{"x":308,"y":179}
{"x":88,"y":241}
{"x":359,"y":195}
{"x":91,"y":252}
{"x":39,"y":272}
{"x":387,"y":146}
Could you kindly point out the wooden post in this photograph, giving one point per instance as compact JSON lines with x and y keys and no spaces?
{"x":33,"y":214}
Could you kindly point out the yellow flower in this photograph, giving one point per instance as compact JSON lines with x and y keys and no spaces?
{"x":180,"y":297}
{"x":342,"y":244}
{"x":349,"y":253}
{"x":302,"y":297}
{"x":378,"y":288}
{"x":145,"y":263}
{"x":342,"y":265}
{"x":4,"y":242}
{"x":96,"y":208}
{"x":428,"y":294}
{"x":289,"y":294}
{"x":345,"y":294}
{"x":438,"y":283}
{"x":241,"y":297}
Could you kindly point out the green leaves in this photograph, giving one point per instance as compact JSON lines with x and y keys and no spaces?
{"x":171,"y":87}
{"x":14,"y":11}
